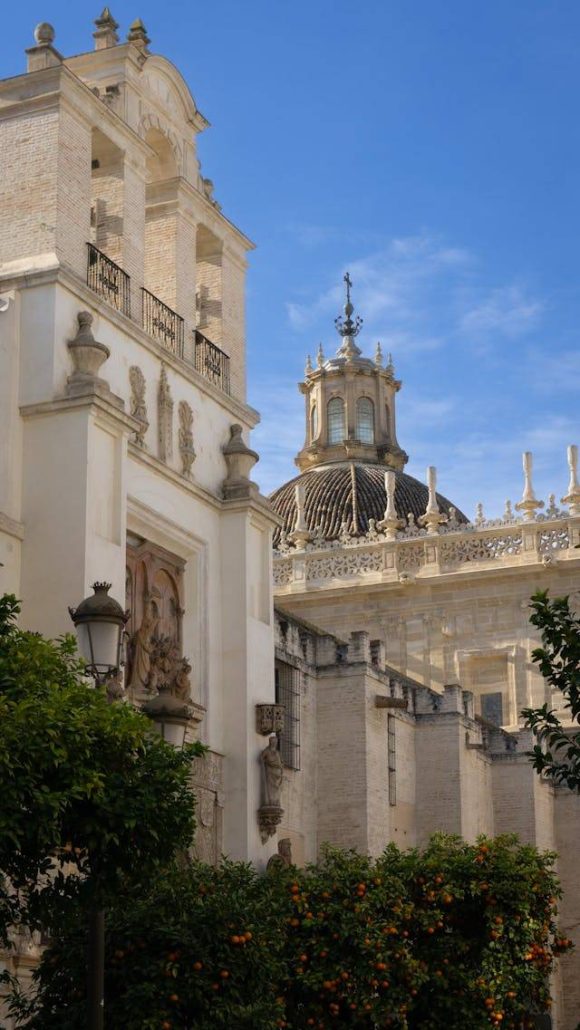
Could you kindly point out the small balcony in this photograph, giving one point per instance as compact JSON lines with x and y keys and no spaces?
{"x":211,"y":362}
{"x":162,"y":323}
{"x":108,"y":280}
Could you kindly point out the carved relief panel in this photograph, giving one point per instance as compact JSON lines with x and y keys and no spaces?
{"x":154,"y":591}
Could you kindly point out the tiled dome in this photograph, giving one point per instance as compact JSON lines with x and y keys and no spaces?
{"x":351,"y":492}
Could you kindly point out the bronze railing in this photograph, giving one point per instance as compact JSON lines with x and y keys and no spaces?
{"x":162,"y":323}
{"x":108,"y":280}
{"x":211,"y":362}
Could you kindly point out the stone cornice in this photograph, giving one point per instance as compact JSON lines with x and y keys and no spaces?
{"x":255,"y":503}
{"x":104,"y":405}
{"x":19,"y":278}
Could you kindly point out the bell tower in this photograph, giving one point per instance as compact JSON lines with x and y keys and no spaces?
{"x":350,"y":403}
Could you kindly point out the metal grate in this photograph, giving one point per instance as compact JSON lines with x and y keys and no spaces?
{"x":161,"y":322}
{"x":108,"y":280}
{"x":392,"y":757}
{"x":288,"y":694}
{"x":211,"y":362}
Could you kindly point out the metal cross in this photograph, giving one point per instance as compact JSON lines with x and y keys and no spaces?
{"x":348,"y":282}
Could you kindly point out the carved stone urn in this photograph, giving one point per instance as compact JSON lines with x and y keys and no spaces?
{"x":87,"y":353}
{"x":240,"y":460}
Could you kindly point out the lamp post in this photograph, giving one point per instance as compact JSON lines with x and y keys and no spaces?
{"x":100,"y":623}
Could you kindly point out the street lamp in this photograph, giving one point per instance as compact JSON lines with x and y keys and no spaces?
{"x":170,"y":715}
{"x":100,"y":622}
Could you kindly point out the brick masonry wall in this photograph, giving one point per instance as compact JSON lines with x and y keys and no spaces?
{"x":28,"y":185}
{"x":342,"y":774}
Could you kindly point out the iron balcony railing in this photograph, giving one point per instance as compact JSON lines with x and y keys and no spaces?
{"x":211,"y":362}
{"x":162,"y":323}
{"x":108,"y":280}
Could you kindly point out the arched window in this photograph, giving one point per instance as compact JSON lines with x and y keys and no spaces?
{"x":313,"y":422}
{"x":335,"y":414}
{"x":365,"y":420}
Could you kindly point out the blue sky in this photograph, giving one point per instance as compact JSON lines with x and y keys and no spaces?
{"x":434,"y":150}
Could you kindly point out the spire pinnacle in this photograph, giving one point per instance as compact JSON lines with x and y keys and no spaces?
{"x":105,"y":35}
{"x":347,"y":327}
{"x":137,"y":34}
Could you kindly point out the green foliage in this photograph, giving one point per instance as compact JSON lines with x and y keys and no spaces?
{"x":88,"y":787}
{"x":457,"y":935}
{"x":557,"y":753}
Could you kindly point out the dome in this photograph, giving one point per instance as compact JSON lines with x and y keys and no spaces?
{"x":351,"y":492}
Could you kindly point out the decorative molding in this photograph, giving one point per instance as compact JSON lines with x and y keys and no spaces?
{"x":164,"y":417}
{"x":138,"y":404}
{"x":269,"y":719}
{"x":186,"y":449}
{"x":269,"y":818}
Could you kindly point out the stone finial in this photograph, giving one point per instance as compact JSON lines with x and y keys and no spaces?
{"x":390,"y":368}
{"x":87,"y":355}
{"x":572,"y":497}
{"x":320,"y":356}
{"x":432,"y":518}
{"x":529,"y":503}
{"x":508,"y":514}
{"x":300,"y":535}
{"x":391,"y":522}
{"x":308,"y":369}
{"x":43,"y":54}
{"x":105,"y":34}
{"x":479,"y":515}
{"x":137,"y":34}
{"x":44,"y":33}
{"x":378,"y":356}
{"x":240,"y":461}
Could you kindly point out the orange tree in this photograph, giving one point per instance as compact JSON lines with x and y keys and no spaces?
{"x":455,"y":935}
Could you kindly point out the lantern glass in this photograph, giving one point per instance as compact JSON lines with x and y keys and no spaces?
{"x":99,"y":644}
{"x":172,"y":730}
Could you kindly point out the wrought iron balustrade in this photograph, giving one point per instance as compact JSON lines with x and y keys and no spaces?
{"x":162,"y":323}
{"x":211,"y":362}
{"x":108,"y":280}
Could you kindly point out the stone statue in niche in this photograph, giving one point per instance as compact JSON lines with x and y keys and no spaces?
{"x":273,"y":773}
{"x":165,"y":417}
{"x":284,"y":857}
{"x":138,"y":403}
{"x":186,"y":449}
{"x":143,"y":645}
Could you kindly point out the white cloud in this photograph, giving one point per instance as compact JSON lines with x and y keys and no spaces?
{"x":506,"y":311}
{"x":388,"y":284}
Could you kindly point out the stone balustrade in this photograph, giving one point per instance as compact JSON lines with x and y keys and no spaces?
{"x":417,"y":553}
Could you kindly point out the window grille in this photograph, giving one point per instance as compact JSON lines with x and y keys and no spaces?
{"x":335,"y":412}
{"x":288,"y":694}
{"x":365,"y":420}
{"x":392,"y":757}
